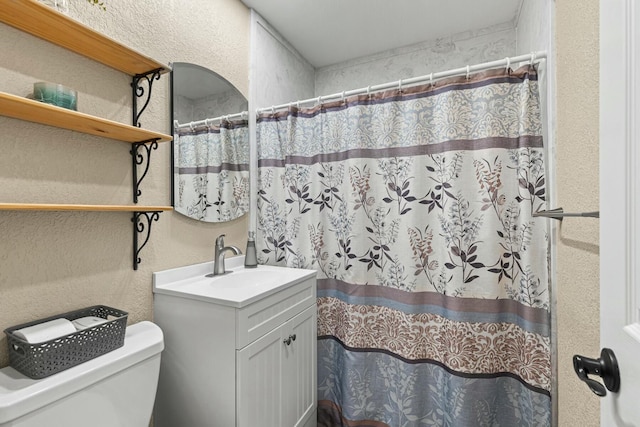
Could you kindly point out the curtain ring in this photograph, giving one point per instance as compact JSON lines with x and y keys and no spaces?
{"x":400,"y":85}
{"x":273,"y":109}
{"x":431,"y":79}
{"x":191,"y":126}
{"x":468,"y":71}
{"x":343,"y":97}
{"x":533,"y":58}
{"x":319,"y":102}
{"x":508,"y":64}
{"x":298,"y":105}
{"x":368,"y":91}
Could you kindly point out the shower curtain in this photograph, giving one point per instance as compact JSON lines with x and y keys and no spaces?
{"x":415,"y":207}
{"x":211,"y":166}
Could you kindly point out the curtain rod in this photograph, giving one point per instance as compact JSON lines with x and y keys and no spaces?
{"x":208,"y":122}
{"x":506,"y":62}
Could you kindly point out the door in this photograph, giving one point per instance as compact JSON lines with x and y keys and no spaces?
{"x":259,"y":381}
{"x":277,"y":375}
{"x":620,"y":204}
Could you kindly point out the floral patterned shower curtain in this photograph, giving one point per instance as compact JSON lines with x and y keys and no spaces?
{"x":211,"y":166}
{"x":415,"y":206}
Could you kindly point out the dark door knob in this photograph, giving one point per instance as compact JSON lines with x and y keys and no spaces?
{"x":605,"y":367}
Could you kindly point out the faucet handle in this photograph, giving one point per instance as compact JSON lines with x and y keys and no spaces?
{"x":220,"y":241}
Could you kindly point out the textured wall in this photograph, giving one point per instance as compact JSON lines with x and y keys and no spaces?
{"x":577,"y":47}
{"x":458,"y":50}
{"x":55,"y":262}
{"x":533,"y":26}
{"x":281,"y":74}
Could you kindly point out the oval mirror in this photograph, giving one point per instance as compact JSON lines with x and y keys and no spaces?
{"x":210,"y":156}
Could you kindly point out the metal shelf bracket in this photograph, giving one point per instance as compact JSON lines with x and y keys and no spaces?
{"x":138,"y":91}
{"x":142,"y":222}
{"x":139,"y":158}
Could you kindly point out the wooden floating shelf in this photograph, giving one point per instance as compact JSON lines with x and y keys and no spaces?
{"x":44,"y":22}
{"x":48,"y":24}
{"x":88,"y":208}
{"x":46,"y":114}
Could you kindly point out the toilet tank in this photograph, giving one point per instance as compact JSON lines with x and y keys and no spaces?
{"x":114,"y":390}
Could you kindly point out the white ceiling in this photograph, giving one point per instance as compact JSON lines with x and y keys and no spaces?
{"x":330,"y":31}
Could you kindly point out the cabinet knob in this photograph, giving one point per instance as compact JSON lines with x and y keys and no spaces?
{"x":289,"y":339}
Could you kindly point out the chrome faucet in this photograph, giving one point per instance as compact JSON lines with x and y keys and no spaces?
{"x":221,"y":249}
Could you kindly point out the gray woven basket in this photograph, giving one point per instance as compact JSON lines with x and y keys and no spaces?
{"x":41,"y":360}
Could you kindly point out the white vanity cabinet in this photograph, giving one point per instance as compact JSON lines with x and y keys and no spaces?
{"x":241,"y":362}
{"x":276,"y":375}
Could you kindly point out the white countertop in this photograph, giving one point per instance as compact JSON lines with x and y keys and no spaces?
{"x":238,"y":288}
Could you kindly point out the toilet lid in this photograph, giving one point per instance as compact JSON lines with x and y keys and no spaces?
{"x":20,"y":395}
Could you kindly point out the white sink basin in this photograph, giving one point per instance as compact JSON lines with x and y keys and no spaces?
{"x":244,"y":277}
{"x":237,"y":288}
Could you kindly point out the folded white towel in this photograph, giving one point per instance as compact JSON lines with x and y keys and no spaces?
{"x":45,"y":331}
{"x":88,"y":322}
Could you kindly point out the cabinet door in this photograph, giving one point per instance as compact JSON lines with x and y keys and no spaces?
{"x":299,"y":369}
{"x":259,"y":380}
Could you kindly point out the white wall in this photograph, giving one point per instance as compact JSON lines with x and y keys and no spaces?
{"x":534,"y":26}
{"x":280,"y":74}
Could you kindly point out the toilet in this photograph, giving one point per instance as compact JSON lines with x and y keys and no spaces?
{"x":116,"y":389}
